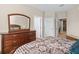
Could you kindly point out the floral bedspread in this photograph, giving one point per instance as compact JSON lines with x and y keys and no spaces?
{"x":48,"y":45}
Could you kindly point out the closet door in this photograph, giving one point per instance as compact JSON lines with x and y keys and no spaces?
{"x":49,"y":26}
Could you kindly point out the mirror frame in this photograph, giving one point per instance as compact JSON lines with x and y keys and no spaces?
{"x":17,"y":14}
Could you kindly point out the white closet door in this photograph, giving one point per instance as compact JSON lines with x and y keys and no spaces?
{"x":49,"y":26}
{"x":38,"y":26}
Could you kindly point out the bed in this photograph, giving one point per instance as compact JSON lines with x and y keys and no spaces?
{"x":47,"y":45}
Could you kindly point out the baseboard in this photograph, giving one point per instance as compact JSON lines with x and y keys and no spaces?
{"x":71,"y":38}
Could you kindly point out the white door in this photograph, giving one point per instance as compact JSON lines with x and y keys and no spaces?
{"x":57,"y":27}
{"x":49,"y":26}
{"x":38,"y":26}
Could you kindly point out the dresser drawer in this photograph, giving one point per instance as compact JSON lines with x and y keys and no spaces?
{"x":12,"y":36}
{"x":8,"y":43}
{"x":19,"y":36}
{"x":32,"y":38}
{"x":32,"y":34}
{"x":8,"y":49}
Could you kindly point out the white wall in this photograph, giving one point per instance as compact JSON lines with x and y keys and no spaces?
{"x":6,"y":9}
{"x":0,"y":43}
{"x":61,"y":15}
{"x":73,"y":23}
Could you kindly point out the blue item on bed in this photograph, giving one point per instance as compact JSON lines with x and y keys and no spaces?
{"x":75,"y":48}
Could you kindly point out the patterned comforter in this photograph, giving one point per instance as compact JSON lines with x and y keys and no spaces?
{"x":48,"y":45}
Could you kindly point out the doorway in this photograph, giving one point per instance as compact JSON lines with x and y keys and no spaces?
{"x":62,"y":27}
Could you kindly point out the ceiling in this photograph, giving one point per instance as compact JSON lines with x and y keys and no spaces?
{"x":53,"y":7}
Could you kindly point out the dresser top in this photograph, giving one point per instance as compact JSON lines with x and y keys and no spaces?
{"x":19,"y":31}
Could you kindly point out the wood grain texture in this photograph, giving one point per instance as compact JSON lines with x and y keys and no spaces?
{"x":70,"y":38}
{"x":11,"y":41}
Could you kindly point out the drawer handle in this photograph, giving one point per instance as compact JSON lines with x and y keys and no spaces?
{"x":15,"y":47}
{"x":14,"y":35}
{"x":14,"y":44}
{"x":14,"y":41}
{"x":30,"y":33}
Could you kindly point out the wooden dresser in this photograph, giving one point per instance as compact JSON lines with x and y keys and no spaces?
{"x":11,"y":41}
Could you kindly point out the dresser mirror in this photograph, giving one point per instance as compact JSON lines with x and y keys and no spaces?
{"x":18,"y":22}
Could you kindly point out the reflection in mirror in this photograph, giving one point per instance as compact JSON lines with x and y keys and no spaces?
{"x":18,"y":21}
